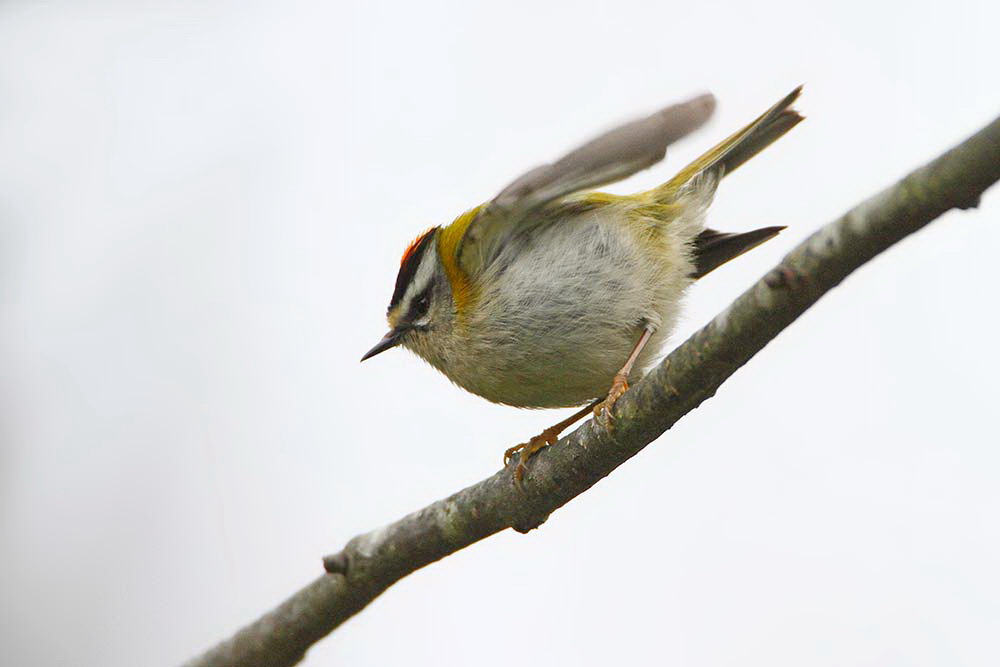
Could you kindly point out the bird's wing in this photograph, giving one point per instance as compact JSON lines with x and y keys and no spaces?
{"x":610,"y":157}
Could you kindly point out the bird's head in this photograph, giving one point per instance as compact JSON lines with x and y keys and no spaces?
{"x":421,"y":304}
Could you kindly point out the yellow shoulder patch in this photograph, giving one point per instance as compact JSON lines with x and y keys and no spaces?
{"x":449,"y":239}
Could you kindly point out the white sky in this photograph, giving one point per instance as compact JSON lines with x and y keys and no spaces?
{"x":202,"y":207}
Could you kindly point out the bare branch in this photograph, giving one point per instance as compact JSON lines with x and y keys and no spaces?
{"x":372,"y":562}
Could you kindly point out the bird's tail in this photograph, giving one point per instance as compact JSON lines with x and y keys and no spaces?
{"x":711,"y":249}
{"x":732,"y":152}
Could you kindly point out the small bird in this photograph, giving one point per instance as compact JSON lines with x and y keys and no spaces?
{"x":550,"y":295}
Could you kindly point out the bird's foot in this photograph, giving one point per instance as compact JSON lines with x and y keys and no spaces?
{"x":527,"y":450}
{"x":618,"y":387}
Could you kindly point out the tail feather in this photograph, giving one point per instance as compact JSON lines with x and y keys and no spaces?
{"x":736,"y":149}
{"x":712,"y":248}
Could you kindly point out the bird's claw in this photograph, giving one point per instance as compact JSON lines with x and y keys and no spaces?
{"x":618,"y":387}
{"x":526,"y":450}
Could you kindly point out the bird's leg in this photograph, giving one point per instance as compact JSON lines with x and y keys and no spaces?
{"x":620,"y":384}
{"x":547,"y":437}
{"x":540,"y":441}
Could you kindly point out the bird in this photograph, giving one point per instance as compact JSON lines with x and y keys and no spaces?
{"x":553,"y":295}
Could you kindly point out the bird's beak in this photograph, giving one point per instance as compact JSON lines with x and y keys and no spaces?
{"x":391,"y":339}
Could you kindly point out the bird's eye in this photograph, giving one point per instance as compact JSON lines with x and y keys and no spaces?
{"x":421,"y":304}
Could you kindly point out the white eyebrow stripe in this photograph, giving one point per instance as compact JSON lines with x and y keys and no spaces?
{"x":422,"y":279}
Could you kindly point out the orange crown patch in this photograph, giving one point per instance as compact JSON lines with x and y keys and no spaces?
{"x":414,"y":244}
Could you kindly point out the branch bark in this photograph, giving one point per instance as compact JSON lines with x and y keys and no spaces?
{"x":372,"y":562}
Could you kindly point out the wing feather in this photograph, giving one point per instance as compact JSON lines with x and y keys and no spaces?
{"x":614,"y":155}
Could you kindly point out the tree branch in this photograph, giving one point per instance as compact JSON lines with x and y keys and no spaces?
{"x":372,"y":562}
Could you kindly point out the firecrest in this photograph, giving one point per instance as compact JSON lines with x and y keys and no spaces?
{"x":550,"y":295}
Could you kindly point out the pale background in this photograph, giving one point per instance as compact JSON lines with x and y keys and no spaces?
{"x":202,"y":208}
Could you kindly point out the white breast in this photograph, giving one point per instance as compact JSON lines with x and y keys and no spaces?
{"x":564,"y":309}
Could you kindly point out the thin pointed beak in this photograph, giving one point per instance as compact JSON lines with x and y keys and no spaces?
{"x":391,"y":339}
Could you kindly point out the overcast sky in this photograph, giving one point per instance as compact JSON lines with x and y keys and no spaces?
{"x":202,"y":206}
